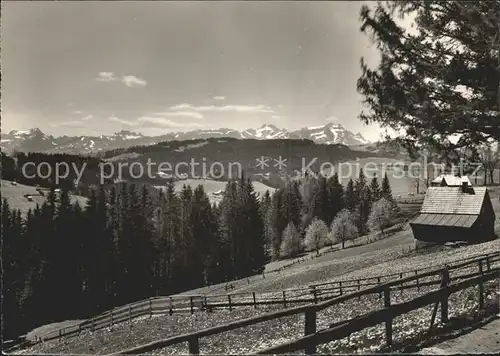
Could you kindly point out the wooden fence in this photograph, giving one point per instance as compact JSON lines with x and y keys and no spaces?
{"x":309,"y":342}
{"x":312,"y":337}
{"x":315,"y":293}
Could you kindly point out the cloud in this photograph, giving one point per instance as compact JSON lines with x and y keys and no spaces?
{"x":182,"y":106}
{"x":275,"y":117}
{"x":191,"y":114}
{"x":219,"y":98}
{"x":224,"y":108}
{"x":106,"y":77}
{"x":82,"y":118}
{"x":133,"y":81}
{"x":153,"y":121}
{"x":129,"y":80}
{"x":122,"y":122}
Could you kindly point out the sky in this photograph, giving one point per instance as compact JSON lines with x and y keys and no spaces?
{"x":73,"y":68}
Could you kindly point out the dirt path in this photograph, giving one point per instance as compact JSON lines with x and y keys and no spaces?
{"x":485,"y":339}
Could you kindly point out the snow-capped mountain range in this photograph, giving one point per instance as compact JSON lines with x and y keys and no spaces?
{"x":34,"y":140}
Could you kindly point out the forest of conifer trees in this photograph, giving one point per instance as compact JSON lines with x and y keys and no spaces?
{"x":62,"y":261}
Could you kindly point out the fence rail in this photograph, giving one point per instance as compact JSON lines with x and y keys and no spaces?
{"x":310,"y":341}
{"x":315,"y":293}
{"x":313,"y":338}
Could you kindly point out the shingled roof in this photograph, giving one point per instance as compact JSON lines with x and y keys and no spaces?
{"x":452,"y":200}
{"x":455,"y":220}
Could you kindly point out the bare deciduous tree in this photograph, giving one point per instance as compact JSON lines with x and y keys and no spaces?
{"x":381,"y":215}
{"x":316,"y":235}
{"x":291,"y":244}
{"x":344,"y":228}
{"x":490,"y":160}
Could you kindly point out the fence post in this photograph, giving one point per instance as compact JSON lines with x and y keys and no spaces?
{"x":254,"y":300}
{"x":388,"y":323}
{"x":150,"y":308}
{"x":60,"y":335}
{"x":112,"y":318}
{"x":191,"y":304}
{"x":315,"y":294}
{"x":445,"y":280}
{"x":481,"y":288}
{"x":488,"y":266}
{"x":433,"y":317}
{"x":310,"y":328}
{"x":340,"y":287}
{"x":229,"y":301}
{"x":418,"y":283}
{"x":129,"y":312}
{"x":194,"y":346}
{"x":93,"y":324}
{"x":401,"y":284}
{"x":171,"y":311}
{"x":380,"y":292}
{"x":284,"y":299}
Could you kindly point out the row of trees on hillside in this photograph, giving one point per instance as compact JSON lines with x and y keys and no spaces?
{"x":128,"y":244}
{"x":53,"y":170}
{"x":299,"y":215}
{"x":125,"y":245}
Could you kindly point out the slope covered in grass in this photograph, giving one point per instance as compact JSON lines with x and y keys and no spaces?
{"x":143,"y":330}
{"x":15,"y":195}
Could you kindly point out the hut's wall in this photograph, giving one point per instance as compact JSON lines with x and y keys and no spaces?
{"x":443,"y":234}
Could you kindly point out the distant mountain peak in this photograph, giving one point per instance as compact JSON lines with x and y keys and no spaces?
{"x":35,"y":140}
{"x":127,"y":132}
{"x":34,"y":131}
{"x":268,"y":126}
{"x":127,"y":135}
{"x":333,"y":124}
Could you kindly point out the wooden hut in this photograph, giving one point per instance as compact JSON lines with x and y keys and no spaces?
{"x":462,"y":213}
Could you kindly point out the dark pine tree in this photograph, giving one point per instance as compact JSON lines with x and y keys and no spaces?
{"x":292,"y":204}
{"x":11,"y":272}
{"x":336,"y":198}
{"x":277,"y":222}
{"x":321,"y":200}
{"x":350,"y":200}
{"x":375,"y":191}
{"x":204,"y":226}
{"x":251,"y":229}
{"x":386,"y":191}
{"x":363,"y":199}
{"x":417,"y":85}
{"x":229,"y":231}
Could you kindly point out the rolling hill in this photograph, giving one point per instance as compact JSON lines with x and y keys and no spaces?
{"x":271,"y":162}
